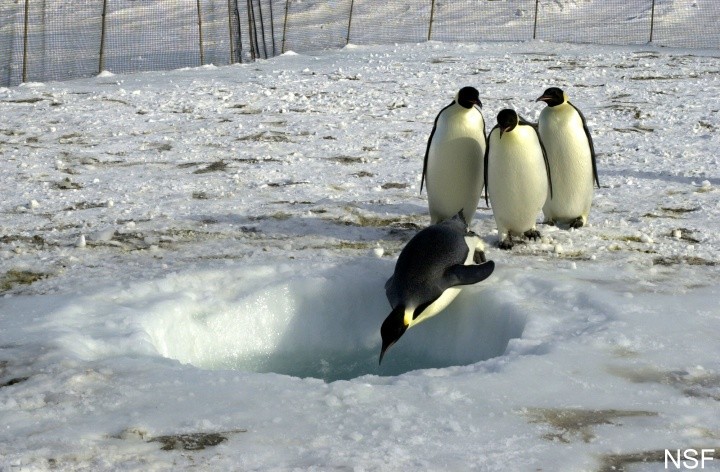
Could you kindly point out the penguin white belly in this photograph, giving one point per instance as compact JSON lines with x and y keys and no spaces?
{"x":517,"y":180}
{"x":455,"y":165}
{"x":437,"y":306}
{"x":568,"y":153}
{"x":474,"y":243}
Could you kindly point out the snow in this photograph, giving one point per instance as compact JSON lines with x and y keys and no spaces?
{"x":202,"y":252}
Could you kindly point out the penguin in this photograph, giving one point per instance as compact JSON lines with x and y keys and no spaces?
{"x":571,"y":155}
{"x":517,"y":177}
{"x":428,"y":274}
{"x":453,"y":165}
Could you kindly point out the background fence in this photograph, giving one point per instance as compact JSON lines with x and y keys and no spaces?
{"x":42,"y":40}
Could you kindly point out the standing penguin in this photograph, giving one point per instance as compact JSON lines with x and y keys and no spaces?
{"x":453,"y":165}
{"x":517,"y":177}
{"x":428,"y":273}
{"x":571,"y":156}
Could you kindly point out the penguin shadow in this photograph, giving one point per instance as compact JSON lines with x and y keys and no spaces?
{"x":646,"y":175}
{"x":334,"y":333}
{"x":351,"y":221}
{"x":407,"y":209}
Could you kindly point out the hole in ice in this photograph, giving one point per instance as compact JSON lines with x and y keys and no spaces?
{"x":323,"y":324}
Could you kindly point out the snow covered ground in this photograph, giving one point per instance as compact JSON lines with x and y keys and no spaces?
{"x":193,"y":262}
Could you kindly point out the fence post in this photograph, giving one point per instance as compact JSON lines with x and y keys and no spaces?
{"x":432,"y":16}
{"x":101,"y":64}
{"x":237,"y":18}
{"x":25,"y":42}
{"x":347,"y":38}
{"x":202,"y":53}
{"x":272,"y":28}
{"x":252,"y":31}
{"x":652,"y":20}
{"x":287,"y":5}
{"x":262,"y":28}
{"x":230,"y":33}
{"x":535,"y":21}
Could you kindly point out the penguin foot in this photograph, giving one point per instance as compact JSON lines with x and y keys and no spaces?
{"x":532,"y":234}
{"x":577,"y":222}
{"x":506,"y":244}
{"x":549,"y":222}
{"x":479,"y":257}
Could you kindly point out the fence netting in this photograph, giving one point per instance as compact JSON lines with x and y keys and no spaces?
{"x":42,"y":40}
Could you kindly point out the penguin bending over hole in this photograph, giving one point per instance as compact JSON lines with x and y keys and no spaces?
{"x":428,"y":275}
{"x":453,"y":165}
{"x":571,"y":155}
{"x":517,"y":177}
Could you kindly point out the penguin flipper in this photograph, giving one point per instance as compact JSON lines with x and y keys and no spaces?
{"x":479,"y":109}
{"x":425,"y":161}
{"x":389,"y":282}
{"x":427,"y":148}
{"x":468,"y":274}
{"x":590,"y":143}
{"x":391,"y":293}
{"x":545,"y":158}
{"x":536,"y":128}
{"x":486,"y":158}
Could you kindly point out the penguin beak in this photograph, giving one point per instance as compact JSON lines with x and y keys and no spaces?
{"x":382,"y":351}
{"x":392,"y":329}
{"x":543,"y":98}
{"x":388,"y":342}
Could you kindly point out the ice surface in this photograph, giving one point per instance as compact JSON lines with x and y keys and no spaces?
{"x":231,"y":277}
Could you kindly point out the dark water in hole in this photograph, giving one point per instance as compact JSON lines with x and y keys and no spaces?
{"x":465,"y":333}
{"x":331,"y":366}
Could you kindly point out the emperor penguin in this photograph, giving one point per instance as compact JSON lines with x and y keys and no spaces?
{"x":517,"y":177}
{"x":428,"y":275}
{"x":453,"y":165}
{"x":571,"y":155}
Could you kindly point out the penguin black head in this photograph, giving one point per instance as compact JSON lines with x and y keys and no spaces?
{"x":392,"y":329}
{"x":553,"y":96}
{"x":468,"y":96}
{"x":507,"y":120}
